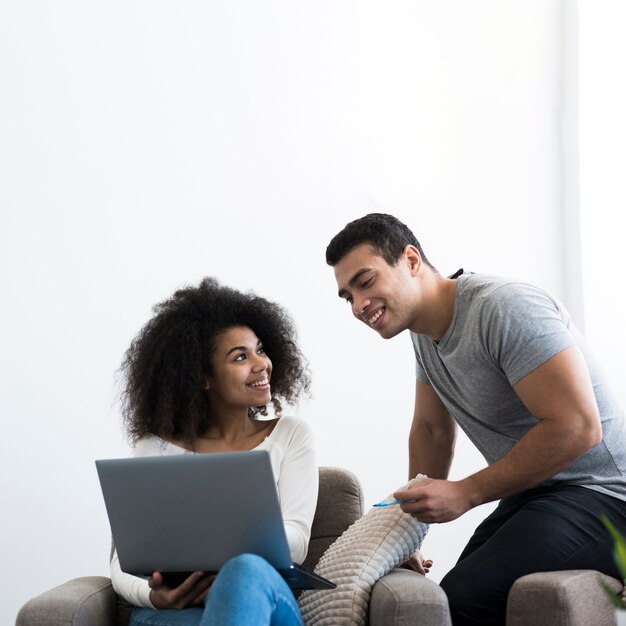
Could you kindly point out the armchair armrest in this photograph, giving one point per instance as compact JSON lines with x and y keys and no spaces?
{"x":572,"y":597}
{"x":87,"y":601}
{"x":406,"y":598}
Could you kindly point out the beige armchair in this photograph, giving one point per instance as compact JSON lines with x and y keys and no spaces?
{"x":402,"y":598}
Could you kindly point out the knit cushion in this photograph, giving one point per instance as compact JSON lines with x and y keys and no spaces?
{"x":373,"y":546}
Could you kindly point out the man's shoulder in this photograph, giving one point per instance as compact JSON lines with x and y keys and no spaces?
{"x":479,"y":296}
{"x":497,"y":292}
{"x":490,"y":284}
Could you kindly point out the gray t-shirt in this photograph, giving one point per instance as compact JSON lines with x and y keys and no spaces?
{"x":502,"y":330}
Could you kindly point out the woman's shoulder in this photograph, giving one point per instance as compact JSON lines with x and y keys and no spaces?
{"x":291,"y":423}
{"x":289,"y":428}
{"x":151,"y":445}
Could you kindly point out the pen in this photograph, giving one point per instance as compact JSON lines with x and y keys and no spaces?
{"x":388,"y":502}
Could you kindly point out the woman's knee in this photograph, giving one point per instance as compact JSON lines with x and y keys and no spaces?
{"x":246,"y":565}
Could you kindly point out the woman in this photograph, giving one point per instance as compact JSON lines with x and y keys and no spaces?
{"x":197,"y":377}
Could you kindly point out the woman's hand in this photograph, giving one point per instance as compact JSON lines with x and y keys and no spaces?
{"x":418,"y":564}
{"x":190,"y":592}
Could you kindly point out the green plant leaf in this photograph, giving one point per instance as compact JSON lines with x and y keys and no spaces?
{"x":615,"y":598}
{"x":619,"y":550}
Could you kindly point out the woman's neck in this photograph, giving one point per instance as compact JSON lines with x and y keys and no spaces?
{"x":228,"y":437}
{"x":230,"y":428}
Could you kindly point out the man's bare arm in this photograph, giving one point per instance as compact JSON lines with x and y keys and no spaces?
{"x":432,"y":435}
{"x":560,"y":395}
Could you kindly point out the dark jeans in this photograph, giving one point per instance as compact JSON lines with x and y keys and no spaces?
{"x":544,"y":529}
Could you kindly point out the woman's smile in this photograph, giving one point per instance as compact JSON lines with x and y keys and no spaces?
{"x":241,"y":371}
{"x":261,"y":384}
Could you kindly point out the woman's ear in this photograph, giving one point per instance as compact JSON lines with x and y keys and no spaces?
{"x":207,"y":386}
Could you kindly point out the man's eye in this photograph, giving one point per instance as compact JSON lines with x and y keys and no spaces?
{"x":348,"y":300}
{"x":366,"y":283}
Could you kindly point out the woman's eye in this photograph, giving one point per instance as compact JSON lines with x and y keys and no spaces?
{"x":240,"y":357}
{"x":261,"y":350}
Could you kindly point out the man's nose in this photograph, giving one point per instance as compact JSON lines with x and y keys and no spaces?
{"x":359,"y":305}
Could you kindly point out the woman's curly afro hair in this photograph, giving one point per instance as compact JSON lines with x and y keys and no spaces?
{"x":166,"y":365}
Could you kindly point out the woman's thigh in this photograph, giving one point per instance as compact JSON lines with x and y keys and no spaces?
{"x":248,"y":591}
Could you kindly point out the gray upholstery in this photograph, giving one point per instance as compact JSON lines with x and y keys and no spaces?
{"x":402,"y":598}
{"x":88,"y":601}
{"x":406,"y":598}
{"x":339,"y":504}
{"x":572,"y":598}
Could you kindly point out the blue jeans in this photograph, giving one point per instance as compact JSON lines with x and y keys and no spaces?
{"x":248,"y":591}
{"x":544,"y":529}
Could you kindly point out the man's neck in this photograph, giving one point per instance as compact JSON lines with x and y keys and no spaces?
{"x":437,"y":307}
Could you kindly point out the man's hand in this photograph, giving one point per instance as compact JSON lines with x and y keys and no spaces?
{"x":418,"y":564}
{"x":190,"y":592}
{"x":434,"y":501}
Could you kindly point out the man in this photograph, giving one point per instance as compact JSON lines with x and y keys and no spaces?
{"x":503,"y":360}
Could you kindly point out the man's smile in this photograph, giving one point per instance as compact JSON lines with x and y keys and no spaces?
{"x":372,"y":319}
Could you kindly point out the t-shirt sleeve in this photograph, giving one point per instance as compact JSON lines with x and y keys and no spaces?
{"x":420,"y":372}
{"x":297,"y":487}
{"x":523,"y":327}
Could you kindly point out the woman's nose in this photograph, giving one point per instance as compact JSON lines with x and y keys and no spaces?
{"x":261,"y":363}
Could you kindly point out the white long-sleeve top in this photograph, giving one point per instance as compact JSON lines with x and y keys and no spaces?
{"x":295,"y":470}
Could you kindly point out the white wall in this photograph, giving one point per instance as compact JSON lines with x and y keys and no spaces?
{"x":144,"y":145}
{"x":602,"y":131}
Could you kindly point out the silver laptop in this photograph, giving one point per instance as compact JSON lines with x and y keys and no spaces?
{"x":193,"y":512}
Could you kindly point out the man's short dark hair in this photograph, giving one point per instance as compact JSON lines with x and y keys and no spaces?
{"x":385,"y":233}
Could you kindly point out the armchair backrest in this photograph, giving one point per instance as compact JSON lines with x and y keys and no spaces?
{"x":339,"y":504}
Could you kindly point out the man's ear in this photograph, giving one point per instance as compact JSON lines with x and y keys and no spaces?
{"x":413,"y":259}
